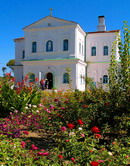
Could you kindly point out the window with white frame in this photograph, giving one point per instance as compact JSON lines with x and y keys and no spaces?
{"x":65,"y":45}
{"x":34,"y":47}
{"x":105,"y":79}
{"x":93,"y":51}
{"x":105,"y":50}
{"x":49,"y":46}
{"x":65,"y":78}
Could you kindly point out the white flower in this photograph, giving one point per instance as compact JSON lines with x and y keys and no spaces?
{"x":29,"y":105}
{"x":110,"y":153}
{"x":80,"y":128}
{"x":37,"y":111}
{"x":26,"y":108}
{"x":71,"y":133}
{"x":34,"y":106}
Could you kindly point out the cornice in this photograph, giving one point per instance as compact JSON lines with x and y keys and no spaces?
{"x":51,"y":28}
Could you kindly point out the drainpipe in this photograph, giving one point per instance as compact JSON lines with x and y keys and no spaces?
{"x":85,"y":61}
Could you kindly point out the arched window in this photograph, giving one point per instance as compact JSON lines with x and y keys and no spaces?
{"x":105,"y":79}
{"x":65,"y":45}
{"x":34,"y":47}
{"x":93,"y":51}
{"x":32,"y":77}
{"x":49,"y":46}
{"x":65,"y":78}
{"x":105,"y":50}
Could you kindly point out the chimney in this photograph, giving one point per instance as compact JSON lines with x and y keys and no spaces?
{"x":101,"y":24}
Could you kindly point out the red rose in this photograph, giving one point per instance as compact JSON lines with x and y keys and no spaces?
{"x":95,"y":129}
{"x":23,"y":144}
{"x":33,"y":147}
{"x":97,"y":136}
{"x":94,"y":163}
{"x":67,"y":140}
{"x":36,"y":79}
{"x":70,"y":126}
{"x":25,"y":132}
{"x":73,"y":160}
{"x":42,"y":154}
{"x":85,"y":106}
{"x":60,"y":156}
{"x":80,"y":122}
{"x":26,"y":78}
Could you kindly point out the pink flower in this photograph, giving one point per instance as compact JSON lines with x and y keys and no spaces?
{"x":100,"y":161}
{"x":25,"y":132}
{"x":62,"y":108}
{"x":23,"y":144}
{"x":45,"y":154}
{"x":67,"y":140}
{"x":73,"y":159}
{"x":95,"y":129}
{"x":51,"y":107}
{"x":94,"y":163}
{"x":33,"y":147}
{"x":82,"y":135}
{"x":63,"y":128}
{"x":70,"y":126}
{"x":42,"y":154}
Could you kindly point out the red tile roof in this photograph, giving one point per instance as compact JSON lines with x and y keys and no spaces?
{"x":20,"y":38}
{"x":113,"y":31}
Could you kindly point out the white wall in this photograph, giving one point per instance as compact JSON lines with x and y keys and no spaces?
{"x":18,"y":73}
{"x":97,"y":70}
{"x":80,"y":71}
{"x":80,"y":39}
{"x":57,"y":68}
{"x":19,"y":47}
{"x":99,"y":40}
{"x":57,"y":36}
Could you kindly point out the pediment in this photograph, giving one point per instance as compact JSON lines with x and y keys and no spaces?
{"x":49,"y":21}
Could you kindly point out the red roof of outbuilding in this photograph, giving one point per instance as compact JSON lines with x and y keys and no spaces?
{"x":20,"y":38}
{"x":113,"y":31}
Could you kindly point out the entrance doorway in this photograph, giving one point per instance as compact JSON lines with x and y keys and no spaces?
{"x":49,"y":77}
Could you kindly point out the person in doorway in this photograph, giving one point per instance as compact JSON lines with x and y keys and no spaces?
{"x":46,"y":84}
{"x":42,"y":83}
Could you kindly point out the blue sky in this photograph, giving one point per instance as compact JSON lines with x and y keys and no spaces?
{"x":16,"y":14}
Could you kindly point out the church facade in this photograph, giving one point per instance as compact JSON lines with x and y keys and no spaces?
{"x":51,"y":45}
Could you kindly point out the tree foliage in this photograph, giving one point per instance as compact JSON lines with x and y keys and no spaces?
{"x":119,"y":72}
{"x":10,"y":63}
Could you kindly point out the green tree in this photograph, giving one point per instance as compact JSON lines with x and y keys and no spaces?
{"x":4,"y":70}
{"x":119,"y":73}
{"x":10,"y":63}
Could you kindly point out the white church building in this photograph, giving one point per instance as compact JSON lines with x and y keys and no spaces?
{"x":51,"y":45}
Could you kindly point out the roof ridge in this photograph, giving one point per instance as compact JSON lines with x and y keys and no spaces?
{"x":50,"y":17}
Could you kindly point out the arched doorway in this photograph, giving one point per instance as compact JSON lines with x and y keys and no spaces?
{"x":49,"y":77}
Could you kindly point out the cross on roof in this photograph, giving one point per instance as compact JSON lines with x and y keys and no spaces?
{"x":50,"y":11}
